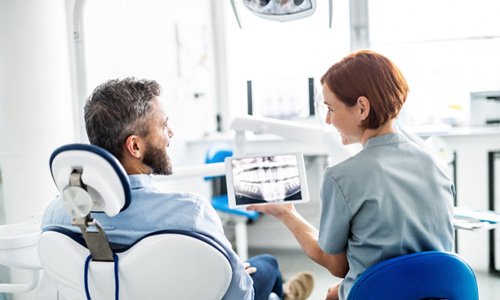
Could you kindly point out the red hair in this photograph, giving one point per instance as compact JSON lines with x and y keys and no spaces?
{"x":367,"y":73}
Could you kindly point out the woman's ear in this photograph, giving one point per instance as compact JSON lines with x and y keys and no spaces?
{"x":364,"y":107}
{"x":133,"y":146}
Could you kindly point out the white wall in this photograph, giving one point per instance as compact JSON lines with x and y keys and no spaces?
{"x":446,"y":49}
{"x":35,"y":101}
{"x":170,"y":42}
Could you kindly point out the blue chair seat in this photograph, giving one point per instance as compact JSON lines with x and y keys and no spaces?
{"x":220,"y":203}
{"x":422,"y":275}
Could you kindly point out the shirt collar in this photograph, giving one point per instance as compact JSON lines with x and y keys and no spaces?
{"x":386,"y":139}
{"x":140,"y":180}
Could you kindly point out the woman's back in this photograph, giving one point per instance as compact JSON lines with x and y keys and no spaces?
{"x":388,"y":200}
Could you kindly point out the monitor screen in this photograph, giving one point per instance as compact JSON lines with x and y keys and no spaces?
{"x":281,"y":98}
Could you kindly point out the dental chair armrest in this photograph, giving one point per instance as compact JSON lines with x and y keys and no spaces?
{"x":22,"y":287}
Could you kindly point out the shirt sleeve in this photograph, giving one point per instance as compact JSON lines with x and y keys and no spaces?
{"x":335,"y":217}
{"x":241,"y":286}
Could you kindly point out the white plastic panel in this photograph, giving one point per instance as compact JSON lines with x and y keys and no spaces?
{"x":164,"y":266}
{"x":18,"y":245}
{"x":104,"y":184}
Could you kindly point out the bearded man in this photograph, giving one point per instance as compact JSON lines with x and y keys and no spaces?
{"x":126,"y":118}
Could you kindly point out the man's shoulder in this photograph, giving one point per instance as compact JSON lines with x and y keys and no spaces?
{"x":169,"y":201}
{"x":183,"y":196}
{"x":167,"y":195}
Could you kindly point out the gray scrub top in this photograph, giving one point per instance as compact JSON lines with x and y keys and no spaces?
{"x":388,"y":200}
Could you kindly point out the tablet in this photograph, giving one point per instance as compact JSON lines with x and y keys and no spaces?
{"x":266,"y":178}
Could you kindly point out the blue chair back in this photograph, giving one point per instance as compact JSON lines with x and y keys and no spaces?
{"x":423,"y":275}
{"x":217,"y":154}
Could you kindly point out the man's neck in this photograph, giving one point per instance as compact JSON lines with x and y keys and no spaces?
{"x":134,"y":167}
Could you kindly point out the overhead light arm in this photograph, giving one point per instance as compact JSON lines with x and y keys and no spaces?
{"x":330,"y":13}
{"x":235,"y":11}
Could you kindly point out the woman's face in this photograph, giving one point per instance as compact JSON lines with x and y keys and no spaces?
{"x":345,"y":119}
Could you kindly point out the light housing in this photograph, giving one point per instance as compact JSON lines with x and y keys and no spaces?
{"x":279,"y":10}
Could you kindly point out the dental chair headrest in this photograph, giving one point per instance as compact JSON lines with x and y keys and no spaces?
{"x":105,"y":185}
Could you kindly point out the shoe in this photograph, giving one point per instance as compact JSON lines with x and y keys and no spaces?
{"x":299,"y":287}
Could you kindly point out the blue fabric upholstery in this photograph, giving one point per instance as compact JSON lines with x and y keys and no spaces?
{"x":216,"y":155}
{"x":423,"y":275}
{"x":220,"y":202}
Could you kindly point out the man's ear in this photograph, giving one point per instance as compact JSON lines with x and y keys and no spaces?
{"x":133,"y":146}
{"x":364,"y":107}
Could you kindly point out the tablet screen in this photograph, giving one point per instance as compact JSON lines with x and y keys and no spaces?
{"x":276,"y":178}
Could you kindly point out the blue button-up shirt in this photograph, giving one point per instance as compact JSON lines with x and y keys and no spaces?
{"x":151,"y":210}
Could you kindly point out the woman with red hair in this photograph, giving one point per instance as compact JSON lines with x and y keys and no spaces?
{"x":388,"y":200}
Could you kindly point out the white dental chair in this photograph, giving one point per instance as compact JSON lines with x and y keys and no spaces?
{"x":169,"y":264}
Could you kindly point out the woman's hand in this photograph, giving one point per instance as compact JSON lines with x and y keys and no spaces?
{"x":249,"y":269}
{"x":333,"y":292}
{"x":276,"y":210}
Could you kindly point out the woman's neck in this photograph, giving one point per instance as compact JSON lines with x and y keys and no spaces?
{"x":386,"y":128}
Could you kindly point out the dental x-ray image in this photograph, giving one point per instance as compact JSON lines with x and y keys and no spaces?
{"x":266,"y":179}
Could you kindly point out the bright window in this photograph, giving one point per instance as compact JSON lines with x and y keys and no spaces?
{"x":446,"y":49}
{"x":282,"y":54}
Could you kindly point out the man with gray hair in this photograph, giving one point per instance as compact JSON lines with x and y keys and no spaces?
{"x":126,"y":118}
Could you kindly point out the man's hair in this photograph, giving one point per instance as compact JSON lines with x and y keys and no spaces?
{"x":367,"y":73}
{"x":117,"y":109}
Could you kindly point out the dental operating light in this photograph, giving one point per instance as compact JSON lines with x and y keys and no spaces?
{"x":280,"y":10}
